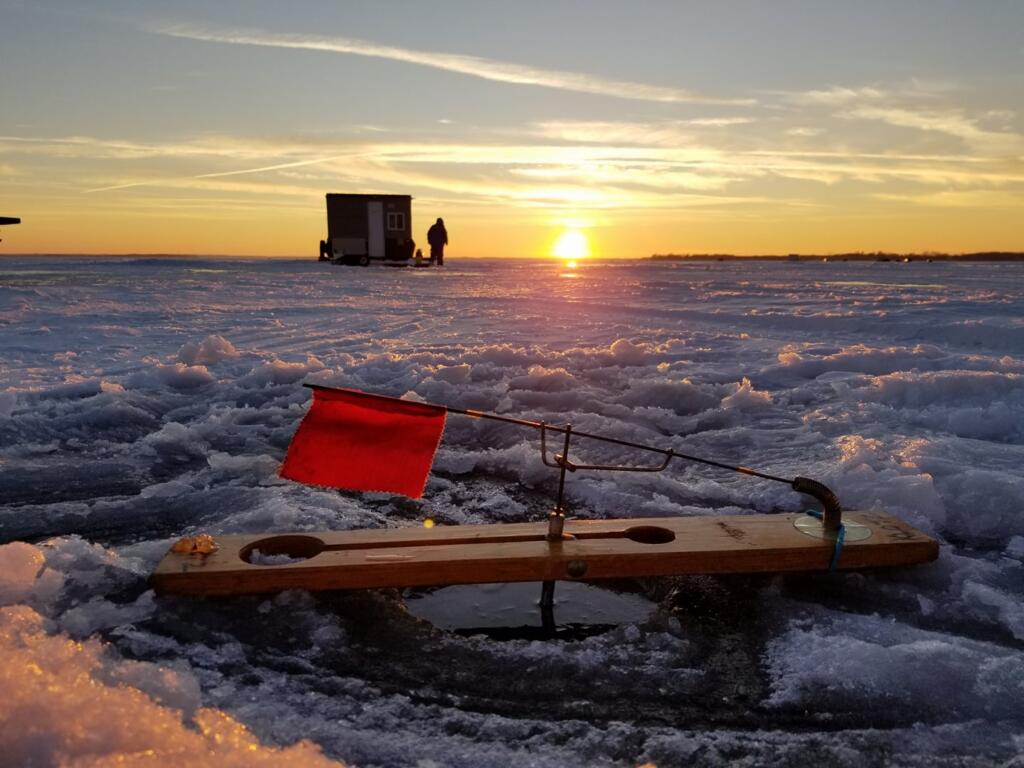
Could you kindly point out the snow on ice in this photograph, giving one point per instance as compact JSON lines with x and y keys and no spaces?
{"x":143,"y":400}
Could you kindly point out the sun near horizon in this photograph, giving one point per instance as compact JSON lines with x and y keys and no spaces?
{"x":571,"y":246}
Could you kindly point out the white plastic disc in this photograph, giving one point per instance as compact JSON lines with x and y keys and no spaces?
{"x":812,"y":526}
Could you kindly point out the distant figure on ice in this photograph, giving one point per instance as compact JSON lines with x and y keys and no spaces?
{"x":437,"y":236}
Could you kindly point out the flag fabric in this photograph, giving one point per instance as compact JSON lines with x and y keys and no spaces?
{"x":363,"y":442}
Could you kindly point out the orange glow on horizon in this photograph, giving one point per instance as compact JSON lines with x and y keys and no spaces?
{"x":294,"y":231}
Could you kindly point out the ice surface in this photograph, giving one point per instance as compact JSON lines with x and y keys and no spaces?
{"x":145,"y":400}
{"x":212,"y":349}
{"x":23,"y":573}
{"x":70,"y":703}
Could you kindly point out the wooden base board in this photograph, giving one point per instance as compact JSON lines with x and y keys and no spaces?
{"x":591,"y":549}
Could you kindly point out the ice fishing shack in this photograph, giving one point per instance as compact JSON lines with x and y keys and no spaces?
{"x":365,"y":228}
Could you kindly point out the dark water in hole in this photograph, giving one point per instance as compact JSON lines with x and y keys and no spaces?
{"x":513,"y":611}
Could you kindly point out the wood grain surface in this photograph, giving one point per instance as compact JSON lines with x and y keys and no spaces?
{"x":591,"y":549}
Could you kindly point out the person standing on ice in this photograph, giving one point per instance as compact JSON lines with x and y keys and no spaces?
{"x":437,"y":236}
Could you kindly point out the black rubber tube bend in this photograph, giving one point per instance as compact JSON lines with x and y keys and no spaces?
{"x":833,"y":512}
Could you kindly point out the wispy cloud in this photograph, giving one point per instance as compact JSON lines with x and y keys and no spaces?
{"x":949,"y":122}
{"x":607,"y":132}
{"x":665,"y":133}
{"x":474,"y":66}
{"x":638,"y":176}
{"x":837,"y":96}
{"x":914,"y":89}
{"x":971,"y":198}
{"x":719,"y":122}
{"x":93,"y":147}
{"x":805,"y":131}
{"x":243,"y":171}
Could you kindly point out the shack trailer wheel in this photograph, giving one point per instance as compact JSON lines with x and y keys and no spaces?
{"x":364,"y":260}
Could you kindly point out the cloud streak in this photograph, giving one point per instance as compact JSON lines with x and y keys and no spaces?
{"x":262,"y":169}
{"x":950,"y":122}
{"x":473,"y":66}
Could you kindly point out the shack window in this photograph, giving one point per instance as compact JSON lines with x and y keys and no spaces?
{"x":396,"y":221}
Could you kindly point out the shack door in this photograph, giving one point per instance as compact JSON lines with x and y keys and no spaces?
{"x":375,"y":227}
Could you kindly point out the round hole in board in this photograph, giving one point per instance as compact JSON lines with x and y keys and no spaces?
{"x":649,"y":534}
{"x":293,"y":547}
{"x":577,"y":569}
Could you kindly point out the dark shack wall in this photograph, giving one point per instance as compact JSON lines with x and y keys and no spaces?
{"x":346,"y":215}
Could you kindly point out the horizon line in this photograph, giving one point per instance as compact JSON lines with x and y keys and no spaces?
{"x":666,"y":256}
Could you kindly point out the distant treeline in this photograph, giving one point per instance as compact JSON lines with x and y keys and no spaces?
{"x":856,"y":256}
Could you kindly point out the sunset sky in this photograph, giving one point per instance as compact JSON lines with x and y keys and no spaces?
{"x":743,"y":127}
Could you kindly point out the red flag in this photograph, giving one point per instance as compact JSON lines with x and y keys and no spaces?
{"x":351,"y":439}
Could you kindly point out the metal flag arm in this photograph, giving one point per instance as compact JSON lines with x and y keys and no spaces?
{"x":832,"y":510}
{"x":562,"y":459}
